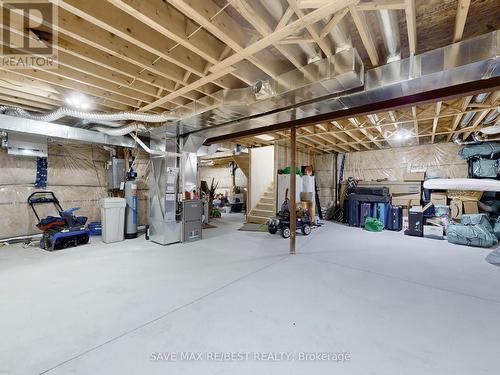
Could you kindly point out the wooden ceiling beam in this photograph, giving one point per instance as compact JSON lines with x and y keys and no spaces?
{"x":350,"y":133}
{"x":366,"y":37}
{"x":24,"y":103}
{"x":341,"y":136}
{"x":323,"y":133}
{"x":366,"y":132}
{"x":411,"y":25}
{"x":435,"y":120}
{"x":84,"y":32}
{"x":12,"y":80}
{"x":415,"y":123}
{"x":113,"y":20}
{"x":310,"y":29}
{"x":14,"y":94}
{"x":132,"y":72}
{"x":328,"y":141}
{"x":462,"y":10}
{"x":71,"y":85}
{"x":227,"y":30}
{"x":287,"y":16}
{"x":285,"y":31}
{"x":171,"y":23}
{"x":382,"y":4}
{"x":334,"y":21}
{"x":264,"y":29}
{"x":309,"y":145}
{"x":224,"y":67}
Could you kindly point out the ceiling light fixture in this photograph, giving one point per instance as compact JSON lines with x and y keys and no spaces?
{"x":78,"y":101}
{"x":265,"y":137}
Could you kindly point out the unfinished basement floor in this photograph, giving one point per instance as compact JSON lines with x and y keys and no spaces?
{"x":396,"y":304}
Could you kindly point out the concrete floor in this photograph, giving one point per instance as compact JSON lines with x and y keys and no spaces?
{"x":395,"y":304}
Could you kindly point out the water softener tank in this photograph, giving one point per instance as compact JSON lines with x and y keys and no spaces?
{"x":131,"y":209}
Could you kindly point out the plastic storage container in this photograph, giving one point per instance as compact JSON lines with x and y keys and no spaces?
{"x":113,"y":219}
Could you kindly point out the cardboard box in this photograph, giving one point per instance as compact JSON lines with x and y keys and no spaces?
{"x":414,"y":176}
{"x":434,"y":231}
{"x":439,"y":198}
{"x":456,"y":209}
{"x":405,"y":202}
{"x":470,"y":208}
{"x":406,"y":199}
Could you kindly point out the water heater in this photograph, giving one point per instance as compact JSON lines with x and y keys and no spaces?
{"x":131,"y":209}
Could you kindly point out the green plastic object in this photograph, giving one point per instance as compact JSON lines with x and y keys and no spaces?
{"x":373,"y":225}
{"x":287,"y":171}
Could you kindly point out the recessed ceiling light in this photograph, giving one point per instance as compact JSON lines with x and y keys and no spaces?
{"x":265,"y":137}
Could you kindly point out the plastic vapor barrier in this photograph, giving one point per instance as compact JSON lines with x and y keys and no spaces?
{"x":438,"y":160}
{"x":76,"y":174}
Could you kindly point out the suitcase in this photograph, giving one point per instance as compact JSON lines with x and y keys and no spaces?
{"x":366,"y":211}
{"x":415,"y":224}
{"x":353,"y":212}
{"x":394,"y":218}
{"x":376,"y":190}
{"x":381,"y":212}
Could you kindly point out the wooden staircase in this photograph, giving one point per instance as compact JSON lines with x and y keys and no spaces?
{"x":265,"y":207}
{"x":243,"y":162}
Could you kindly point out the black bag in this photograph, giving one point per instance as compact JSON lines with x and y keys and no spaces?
{"x":395,"y":218}
{"x":376,"y":190}
{"x":415,"y":224}
{"x":353,"y":212}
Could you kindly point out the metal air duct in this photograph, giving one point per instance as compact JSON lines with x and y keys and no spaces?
{"x":335,"y":74}
{"x":390,"y":33}
{"x":462,"y":64}
{"x":339,"y":37}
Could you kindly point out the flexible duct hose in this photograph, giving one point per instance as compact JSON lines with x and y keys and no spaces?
{"x":123,"y":130}
{"x":152,"y":152}
{"x":90,"y":116}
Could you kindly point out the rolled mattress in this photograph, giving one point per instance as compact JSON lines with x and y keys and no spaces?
{"x":467,"y":184}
